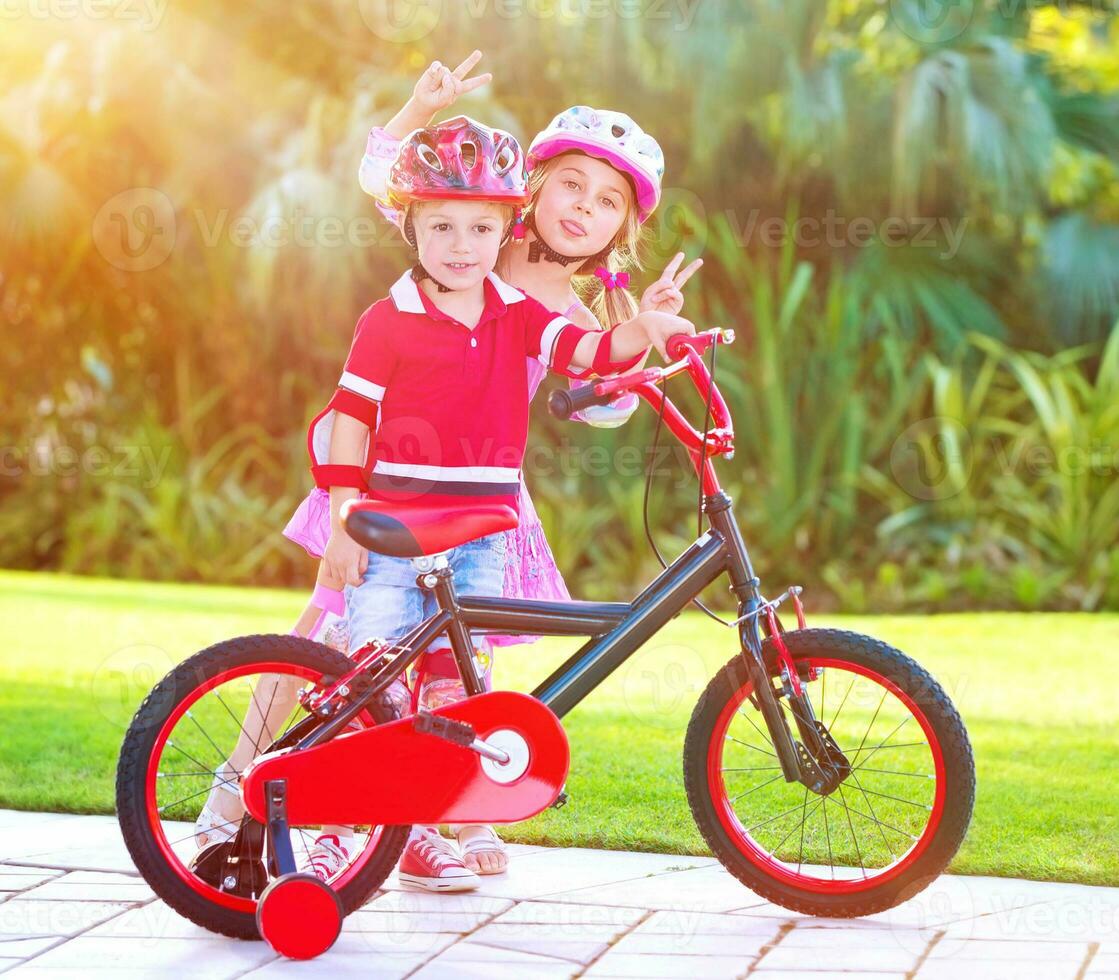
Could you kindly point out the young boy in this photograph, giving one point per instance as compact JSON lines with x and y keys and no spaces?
{"x":433,"y":402}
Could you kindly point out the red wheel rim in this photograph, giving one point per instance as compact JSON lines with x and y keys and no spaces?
{"x":786,"y":872}
{"x":151,"y":802}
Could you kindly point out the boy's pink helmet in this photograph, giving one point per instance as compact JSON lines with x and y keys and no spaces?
{"x":610,"y":136}
{"x":458,"y":158}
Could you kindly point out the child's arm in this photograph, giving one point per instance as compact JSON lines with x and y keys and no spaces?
{"x":437,"y":88}
{"x":353,"y":413}
{"x":567,"y":349}
{"x":345,"y":559}
{"x":604,"y":352}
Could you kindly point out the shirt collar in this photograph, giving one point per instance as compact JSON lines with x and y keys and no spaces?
{"x":406,"y":295}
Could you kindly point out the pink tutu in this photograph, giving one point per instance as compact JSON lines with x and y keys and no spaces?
{"x":530,"y":569}
{"x":309,"y":526}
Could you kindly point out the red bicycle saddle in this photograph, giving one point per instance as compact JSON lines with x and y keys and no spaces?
{"x":409,"y":529}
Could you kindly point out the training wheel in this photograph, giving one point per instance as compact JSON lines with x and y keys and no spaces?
{"x":299,"y":916}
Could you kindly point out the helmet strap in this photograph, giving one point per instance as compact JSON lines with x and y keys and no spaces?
{"x":539,"y":249}
{"x":419,"y":273}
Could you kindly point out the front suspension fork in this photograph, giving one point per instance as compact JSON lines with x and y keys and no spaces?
{"x":794,"y":767}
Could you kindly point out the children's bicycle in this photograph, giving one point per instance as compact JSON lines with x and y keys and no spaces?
{"x":826,"y":770}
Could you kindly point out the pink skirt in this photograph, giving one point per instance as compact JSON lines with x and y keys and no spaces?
{"x":530,"y":571}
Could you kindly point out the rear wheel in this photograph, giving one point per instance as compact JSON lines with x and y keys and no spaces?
{"x":184,"y":732}
{"x":892,"y":823}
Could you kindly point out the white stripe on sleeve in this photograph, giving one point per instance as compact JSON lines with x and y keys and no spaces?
{"x":549,"y":337}
{"x":359,"y":386}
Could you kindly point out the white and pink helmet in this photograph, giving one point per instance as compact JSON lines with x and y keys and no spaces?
{"x":610,"y":136}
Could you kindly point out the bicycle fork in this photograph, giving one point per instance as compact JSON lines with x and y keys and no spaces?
{"x":797,"y":765}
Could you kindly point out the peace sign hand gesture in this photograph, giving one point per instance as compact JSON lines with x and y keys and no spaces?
{"x":439,"y":87}
{"x":665,"y":296}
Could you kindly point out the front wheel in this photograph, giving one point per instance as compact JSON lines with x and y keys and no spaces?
{"x":888,"y":828}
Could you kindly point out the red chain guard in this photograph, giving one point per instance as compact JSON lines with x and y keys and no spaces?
{"x":393,"y":774}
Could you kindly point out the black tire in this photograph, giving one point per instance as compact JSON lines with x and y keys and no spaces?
{"x":909,"y":677}
{"x":139,"y":742}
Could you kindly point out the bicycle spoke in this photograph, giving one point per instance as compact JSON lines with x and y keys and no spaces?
{"x":764,"y":735}
{"x":751,"y":769}
{"x":870,"y":806}
{"x":776,"y":847}
{"x":835,"y":717}
{"x":203,"y":772}
{"x":771,"y":819}
{"x":800,"y":854}
{"x":190,"y":836}
{"x":167,"y":806}
{"x":886,"y":796}
{"x":895,"y":745}
{"x":264,"y":717}
{"x":898,"y":772}
{"x":827,"y":833}
{"x":206,"y":735}
{"x":873,"y":719}
{"x":854,"y":839}
{"x":888,"y":826}
{"x":182,"y":751}
{"x":824,"y":695}
{"x":755,"y":789}
{"x":749,"y":746}
{"x":221,"y":701}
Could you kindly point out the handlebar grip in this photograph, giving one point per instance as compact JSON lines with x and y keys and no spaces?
{"x":565,"y":402}
{"x":676,"y":345}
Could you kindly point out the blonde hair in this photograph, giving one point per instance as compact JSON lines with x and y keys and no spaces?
{"x":610,"y":306}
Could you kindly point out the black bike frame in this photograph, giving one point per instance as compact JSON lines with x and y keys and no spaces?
{"x":616,"y":629}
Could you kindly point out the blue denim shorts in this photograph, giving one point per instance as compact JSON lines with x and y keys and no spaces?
{"x":388,"y":603}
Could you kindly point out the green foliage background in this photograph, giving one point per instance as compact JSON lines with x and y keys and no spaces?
{"x":925,"y":384}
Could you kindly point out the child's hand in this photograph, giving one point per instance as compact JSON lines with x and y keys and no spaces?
{"x":439,"y":87}
{"x":659,"y":327}
{"x":345,"y":559}
{"x":665,"y":296}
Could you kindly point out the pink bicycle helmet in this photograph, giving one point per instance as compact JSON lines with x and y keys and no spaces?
{"x":610,"y":136}
{"x":458,"y":158}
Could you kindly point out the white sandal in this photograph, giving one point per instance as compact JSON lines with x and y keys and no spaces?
{"x":485,"y":840}
{"x":218,"y":829}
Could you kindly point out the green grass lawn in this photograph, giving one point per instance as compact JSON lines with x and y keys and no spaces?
{"x":1037,"y":691}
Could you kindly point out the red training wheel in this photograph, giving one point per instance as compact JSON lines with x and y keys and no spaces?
{"x":299,"y":916}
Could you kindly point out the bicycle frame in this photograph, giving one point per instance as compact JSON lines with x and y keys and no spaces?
{"x":616,"y":629}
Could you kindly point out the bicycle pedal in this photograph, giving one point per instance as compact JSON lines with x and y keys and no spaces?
{"x":561,"y":800}
{"x":456,"y":732}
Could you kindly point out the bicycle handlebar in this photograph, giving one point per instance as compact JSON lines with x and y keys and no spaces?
{"x":687,"y":351}
{"x":565,"y":402}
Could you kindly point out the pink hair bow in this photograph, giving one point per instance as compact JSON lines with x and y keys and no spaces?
{"x":612,"y":280}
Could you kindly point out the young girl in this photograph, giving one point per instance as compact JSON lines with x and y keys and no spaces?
{"x":595,"y":180}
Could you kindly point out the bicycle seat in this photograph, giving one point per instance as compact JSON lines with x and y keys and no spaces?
{"x":410,"y":529}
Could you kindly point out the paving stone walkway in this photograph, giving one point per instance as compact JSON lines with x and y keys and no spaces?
{"x":72,"y":905}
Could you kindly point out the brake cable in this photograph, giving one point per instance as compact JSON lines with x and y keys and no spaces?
{"x":649,"y":479}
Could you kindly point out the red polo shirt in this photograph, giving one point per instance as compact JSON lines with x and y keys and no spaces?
{"x":447,"y":405}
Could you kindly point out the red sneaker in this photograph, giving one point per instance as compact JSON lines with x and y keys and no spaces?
{"x":327,"y":856}
{"x":432,"y":863}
